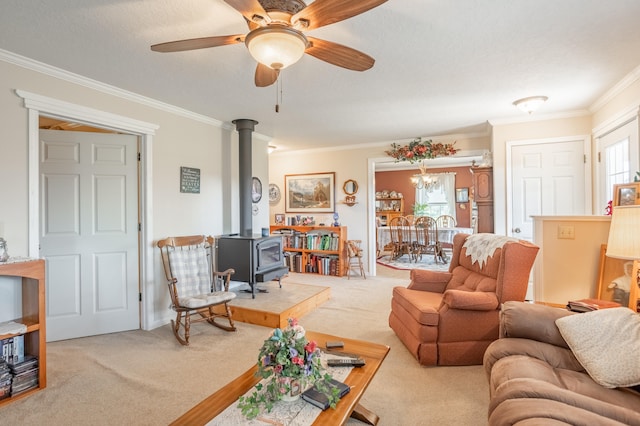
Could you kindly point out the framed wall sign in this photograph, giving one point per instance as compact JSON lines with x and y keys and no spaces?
{"x":189,"y":180}
{"x":314,"y":192}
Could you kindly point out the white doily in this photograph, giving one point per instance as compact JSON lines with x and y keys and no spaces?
{"x":482,"y":246}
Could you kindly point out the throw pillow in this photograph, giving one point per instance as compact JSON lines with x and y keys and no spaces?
{"x":607,"y":343}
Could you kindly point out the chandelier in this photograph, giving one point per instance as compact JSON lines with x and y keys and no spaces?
{"x":424,"y":180}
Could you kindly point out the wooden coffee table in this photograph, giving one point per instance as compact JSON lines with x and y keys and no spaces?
{"x":349,"y":405}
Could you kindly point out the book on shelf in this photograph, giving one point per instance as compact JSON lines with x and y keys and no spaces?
{"x":588,"y":305}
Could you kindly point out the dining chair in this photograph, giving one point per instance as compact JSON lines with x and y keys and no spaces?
{"x":426,"y":238}
{"x":446,"y":221}
{"x":401,"y":237}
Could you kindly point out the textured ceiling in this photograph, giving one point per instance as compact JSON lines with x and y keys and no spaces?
{"x":441,"y":66}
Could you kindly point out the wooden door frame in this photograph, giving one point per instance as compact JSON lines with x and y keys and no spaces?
{"x":41,"y":105}
{"x":586,"y":140}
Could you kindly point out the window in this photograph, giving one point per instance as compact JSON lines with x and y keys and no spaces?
{"x":439,"y":199}
{"x":618,"y":162}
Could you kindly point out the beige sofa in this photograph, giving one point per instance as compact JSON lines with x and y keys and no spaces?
{"x":535,"y":378}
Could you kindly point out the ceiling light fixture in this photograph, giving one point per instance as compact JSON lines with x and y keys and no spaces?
{"x":531,"y":103}
{"x":424,"y":180}
{"x":276,"y":46}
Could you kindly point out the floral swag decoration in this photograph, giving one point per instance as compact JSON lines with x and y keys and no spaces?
{"x":288,"y":363}
{"x":417,"y":150}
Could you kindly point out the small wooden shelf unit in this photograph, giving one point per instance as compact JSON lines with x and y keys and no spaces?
{"x":388,"y":208}
{"x":314,"y":249}
{"x":32,"y":273}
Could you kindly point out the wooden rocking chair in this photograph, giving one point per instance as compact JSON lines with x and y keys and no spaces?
{"x":194,"y":286}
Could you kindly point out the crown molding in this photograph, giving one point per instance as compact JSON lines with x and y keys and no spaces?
{"x":620,"y":87}
{"x":625,"y":116}
{"x":61,"y":74}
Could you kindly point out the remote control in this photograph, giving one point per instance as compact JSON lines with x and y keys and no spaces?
{"x":336,"y":344}
{"x":345,"y":362}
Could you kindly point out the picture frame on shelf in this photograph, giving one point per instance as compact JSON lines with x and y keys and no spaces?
{"x":462,"y":195}
{"x":614,"y":279}
{"x":310,"y":193}
{"x":626,"y":194}
{"x":279,"y":218}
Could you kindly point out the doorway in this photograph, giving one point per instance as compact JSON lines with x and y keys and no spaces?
{"x":546,"y":177}
{"x":38,"y":105}
{"x":89,"y":231}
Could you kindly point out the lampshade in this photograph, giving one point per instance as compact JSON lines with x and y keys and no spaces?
{"x":624,"y":233}
{"x":531,"y":103}
{"x":276,"y":46}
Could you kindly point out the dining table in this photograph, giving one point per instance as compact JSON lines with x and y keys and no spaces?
{"x":445,"y":235}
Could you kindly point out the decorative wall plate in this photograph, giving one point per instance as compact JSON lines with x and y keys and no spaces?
{"x":256,"y":190}
{"x":274,"y":193}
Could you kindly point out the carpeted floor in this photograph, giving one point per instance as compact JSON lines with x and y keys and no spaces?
{"x":147,"y":378}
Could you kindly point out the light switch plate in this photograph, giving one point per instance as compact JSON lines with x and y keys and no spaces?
{"x":566,"y":232}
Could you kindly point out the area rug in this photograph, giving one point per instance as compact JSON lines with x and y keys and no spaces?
{"x":405,"y":262}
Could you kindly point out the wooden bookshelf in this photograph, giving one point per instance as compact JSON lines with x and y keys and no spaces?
{"x":32,"y":273}
{"x":304,"y":244}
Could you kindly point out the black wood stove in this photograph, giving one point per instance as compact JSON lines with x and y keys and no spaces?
{"x":255,"y":258}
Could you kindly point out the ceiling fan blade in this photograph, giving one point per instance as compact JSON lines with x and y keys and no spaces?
{"x":325,"y":12}
{"x":248,"y":8}
{"x":339,"y":55}
{"x":252,"y":25}
{"x":265,"y":76}
{"x":197,"y":43}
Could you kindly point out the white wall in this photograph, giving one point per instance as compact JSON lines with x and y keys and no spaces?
{"x":182,"y":139}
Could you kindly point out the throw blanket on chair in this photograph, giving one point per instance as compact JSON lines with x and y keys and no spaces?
{"x":482,"y":246}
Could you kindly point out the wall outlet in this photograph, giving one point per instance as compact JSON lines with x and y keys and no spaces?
{"x":566,"y":232}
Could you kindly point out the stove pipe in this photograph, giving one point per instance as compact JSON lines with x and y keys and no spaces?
{"x":245,"y":128}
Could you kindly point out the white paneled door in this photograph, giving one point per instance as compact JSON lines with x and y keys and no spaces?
{"x":548,"y":178}
{"x":89,"y":232}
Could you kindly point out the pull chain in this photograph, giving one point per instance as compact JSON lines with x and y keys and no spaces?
{"x":278,"y":89}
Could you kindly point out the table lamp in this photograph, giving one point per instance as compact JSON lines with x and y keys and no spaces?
{"x":624,"y":243}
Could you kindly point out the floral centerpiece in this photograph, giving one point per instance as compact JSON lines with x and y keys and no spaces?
{"x":288,"y":363}
{"x":417,"y":150}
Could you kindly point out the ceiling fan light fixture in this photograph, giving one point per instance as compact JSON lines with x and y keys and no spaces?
{"x":531,"y":103}
{"x":276,"y":46}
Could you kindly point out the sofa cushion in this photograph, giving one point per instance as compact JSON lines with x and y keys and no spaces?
{"x":522,"y":377}
{"x":607,"y":344}
{"x":531,"y":321}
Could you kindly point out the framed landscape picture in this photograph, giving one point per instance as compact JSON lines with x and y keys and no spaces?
{"x":310,"y":193}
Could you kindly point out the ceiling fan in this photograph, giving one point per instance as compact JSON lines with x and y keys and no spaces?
{"x":276,"y":39}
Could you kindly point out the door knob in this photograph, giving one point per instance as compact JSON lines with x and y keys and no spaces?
{"x":517,"y":230}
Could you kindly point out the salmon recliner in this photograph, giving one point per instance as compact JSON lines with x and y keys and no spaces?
{"x":450,"y":318}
